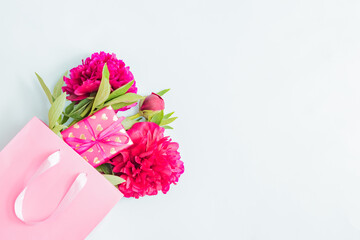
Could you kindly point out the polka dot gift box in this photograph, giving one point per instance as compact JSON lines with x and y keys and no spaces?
{"x":98,"y":137}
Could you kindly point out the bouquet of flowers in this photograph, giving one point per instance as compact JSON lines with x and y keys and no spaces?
{"x":131,"y":152}
{"x":62,"y":186}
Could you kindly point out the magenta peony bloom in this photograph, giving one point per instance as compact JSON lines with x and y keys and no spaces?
{"x":151,"y":164}
{"x":85,"y":79}
{"x":153,"y":102}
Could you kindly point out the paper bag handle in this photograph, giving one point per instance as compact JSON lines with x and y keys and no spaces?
{"x":69,"y":196}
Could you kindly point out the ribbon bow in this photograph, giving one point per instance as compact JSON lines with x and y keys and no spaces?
{"x":102,"y":138}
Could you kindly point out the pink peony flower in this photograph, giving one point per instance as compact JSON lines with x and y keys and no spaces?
{"x":85,"y":79}
{"x":152,"y":164}
{"x":153,"y":102}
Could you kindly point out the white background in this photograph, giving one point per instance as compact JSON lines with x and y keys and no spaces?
{"x":268,"y":98}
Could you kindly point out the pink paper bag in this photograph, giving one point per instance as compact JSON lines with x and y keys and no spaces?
{"x":21,"y":160}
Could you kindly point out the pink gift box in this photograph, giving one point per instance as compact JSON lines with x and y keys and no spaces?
{"x":21,"y":160}
{"x":99,"y":137}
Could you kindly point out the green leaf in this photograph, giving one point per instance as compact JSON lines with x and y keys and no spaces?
{"x":80,"y":107}
{"x":100,"y":169}
{"x":121,"y":105}
{"x":56,"y":110}
{"x":167,"y":127}
{"x":168,"y":115}
{"x":45,"y":88}
{"x":104,"y":168}
{"x":126,"y":98}
{"x":68,"y":110}
{"x":167,"y":121}
{"x":128,"y":123}
{"x":141,"y":102}
{"x":157,"y":118}
{"x":58,"y":128}
{"x":57,"y":89}
{"x":104,"y":89}
{"x":114,"y":180}
{"x":120,"y":91}
{"x":77,"y":117}
{"x":86,"y":111}
{"x":161,"y":93}
{"x":64,"y":119}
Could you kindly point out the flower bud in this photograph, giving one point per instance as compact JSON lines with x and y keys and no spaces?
{"x":153,"y":102}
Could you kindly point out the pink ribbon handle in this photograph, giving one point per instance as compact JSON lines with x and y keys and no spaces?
{"x":75,"y":188}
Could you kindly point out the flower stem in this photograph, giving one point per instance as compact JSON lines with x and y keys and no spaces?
{"x":134,"y":116}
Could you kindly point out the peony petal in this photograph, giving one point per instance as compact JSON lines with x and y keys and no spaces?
{"x":87,"y":87}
